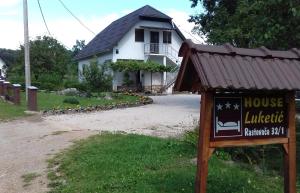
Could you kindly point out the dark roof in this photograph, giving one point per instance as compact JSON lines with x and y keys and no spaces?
{"x":113,"y":33}
{"x":207,"y":67}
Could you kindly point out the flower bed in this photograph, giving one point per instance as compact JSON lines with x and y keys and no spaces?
{"x":143,"y":100}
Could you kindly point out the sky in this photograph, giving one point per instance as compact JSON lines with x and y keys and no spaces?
{"x":95,"y":14}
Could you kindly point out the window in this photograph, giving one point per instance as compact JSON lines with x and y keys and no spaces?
{"x":167,"y":37}
{"x":139,"y":35}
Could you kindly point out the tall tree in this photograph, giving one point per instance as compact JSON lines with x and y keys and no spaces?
{"x":249,"y":23}
{"x":8,"y":56}
{"x":47,"y":56}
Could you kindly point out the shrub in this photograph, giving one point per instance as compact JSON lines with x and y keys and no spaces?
{"x":126,"y":80}
{"x":71,"y":100}
{"x":97,"y":77}
{"x":50,"y":81}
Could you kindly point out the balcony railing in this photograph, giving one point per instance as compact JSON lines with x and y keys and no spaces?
{"x":161,"y":49}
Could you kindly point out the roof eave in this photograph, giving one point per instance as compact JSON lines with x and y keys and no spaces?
{"x":77,"y":59}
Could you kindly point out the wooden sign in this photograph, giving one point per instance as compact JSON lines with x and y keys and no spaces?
{"x":249,"y":117}
{"x":243,"y":119}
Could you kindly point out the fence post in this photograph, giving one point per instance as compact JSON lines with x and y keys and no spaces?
{"x":16,"y":94}
{"x":5,"y":88}
{"x":32,"y":98}
{"x":1,"y":87}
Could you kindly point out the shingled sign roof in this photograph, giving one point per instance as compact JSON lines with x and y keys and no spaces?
{"x":207,"y":67}
{"x":112,"y":34}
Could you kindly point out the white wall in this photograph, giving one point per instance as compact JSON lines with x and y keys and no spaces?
{"x":157,"y":78}
{"x":101,"y":59}
{"x":129,"y":49}
{"x":2,"y":64}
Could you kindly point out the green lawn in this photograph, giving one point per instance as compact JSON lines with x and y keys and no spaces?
{"x":51,"y":100}
{"x":9,"y":111}
{"x":47,"y":101}
{"x":139,"y":164}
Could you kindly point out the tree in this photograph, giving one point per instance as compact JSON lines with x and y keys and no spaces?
{"x":8,"y":56}
{"x":80,"y":44}
{"x":274,"y":24}
{"x":49,"y":62}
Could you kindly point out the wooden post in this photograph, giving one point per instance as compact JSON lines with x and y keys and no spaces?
{"x":204,"y":151}
{"x":5,"y":88}
{"x":16,"y":94}
{"x":290,"y":148}
{"x":32,"y":98}
{"x":1,"y":87}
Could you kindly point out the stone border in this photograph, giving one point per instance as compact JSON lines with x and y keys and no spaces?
{"x":144,"y":100}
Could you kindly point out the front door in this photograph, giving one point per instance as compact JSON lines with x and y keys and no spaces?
{"x":154,"y":42}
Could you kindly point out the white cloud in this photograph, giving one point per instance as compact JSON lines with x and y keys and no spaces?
{"x":9,"y":13}
{"x":69,"y":30}
{"x":65,"y":30}
{"x":180,"y":18}
{"x":9,"y":3}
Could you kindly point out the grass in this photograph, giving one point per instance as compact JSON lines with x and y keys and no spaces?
{"x":133,"y":164}
{"x":47,"y":101}
{"x":9,"y":111}
{"x":51,"y":100}
{"x":27,"y":178}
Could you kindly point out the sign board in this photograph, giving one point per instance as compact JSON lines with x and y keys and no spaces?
{"x":245,"y":119}
{"x":238,"y":116}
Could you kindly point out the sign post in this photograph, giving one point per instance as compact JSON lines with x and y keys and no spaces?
{"x":247,"y":99}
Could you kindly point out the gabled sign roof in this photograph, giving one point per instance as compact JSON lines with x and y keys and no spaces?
{"x":207,"y":67}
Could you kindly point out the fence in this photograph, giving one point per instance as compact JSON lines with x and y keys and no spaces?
{"x":10,"y":92}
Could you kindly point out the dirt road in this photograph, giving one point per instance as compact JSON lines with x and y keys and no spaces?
{"x":25,"y":145}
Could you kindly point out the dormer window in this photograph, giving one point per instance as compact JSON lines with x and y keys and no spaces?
{"x":167,"y":37}
{"x":139,"y":35}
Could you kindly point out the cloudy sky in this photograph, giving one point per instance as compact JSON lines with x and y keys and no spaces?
{"x":95,"y":14}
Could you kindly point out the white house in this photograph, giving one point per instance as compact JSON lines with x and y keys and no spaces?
{"x":2,"y":69}
{"x":145,"y":34}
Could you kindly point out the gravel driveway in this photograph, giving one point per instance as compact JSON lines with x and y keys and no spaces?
{"x":26,"y":144}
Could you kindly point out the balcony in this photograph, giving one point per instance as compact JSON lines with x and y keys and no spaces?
{"x":162,"y":50}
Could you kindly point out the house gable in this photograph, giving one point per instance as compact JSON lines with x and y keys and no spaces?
{"x":111,"y":35}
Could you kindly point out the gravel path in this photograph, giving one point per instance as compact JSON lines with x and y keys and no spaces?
{"x":26,"y":144}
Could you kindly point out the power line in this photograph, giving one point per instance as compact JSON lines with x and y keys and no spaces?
{"x":41,"y":10}
{"x":76,"y":17}
{"x":193,"y":36}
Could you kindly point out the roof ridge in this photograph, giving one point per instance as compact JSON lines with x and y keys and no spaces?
{"x":228,"y":49}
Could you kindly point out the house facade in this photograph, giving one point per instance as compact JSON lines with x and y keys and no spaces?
{"x":2,"y":69}
{"x":145,"y":34}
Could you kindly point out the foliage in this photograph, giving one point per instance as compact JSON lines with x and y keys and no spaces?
{"x":49,"y":61}
{"x":71,"y":100}
{"x":135,"y":65}
{"x":97,"y":76}
{"x":148,"y":165}
{"x":80,"y":44}
{"x":49,"y":82}
{"x":127,"y":80}
{"x":272,"y":23}
{"x":8,"y":56}
{"x":191,"y":137}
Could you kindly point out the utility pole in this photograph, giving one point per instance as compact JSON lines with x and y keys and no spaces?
{"x":26,"y":48}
